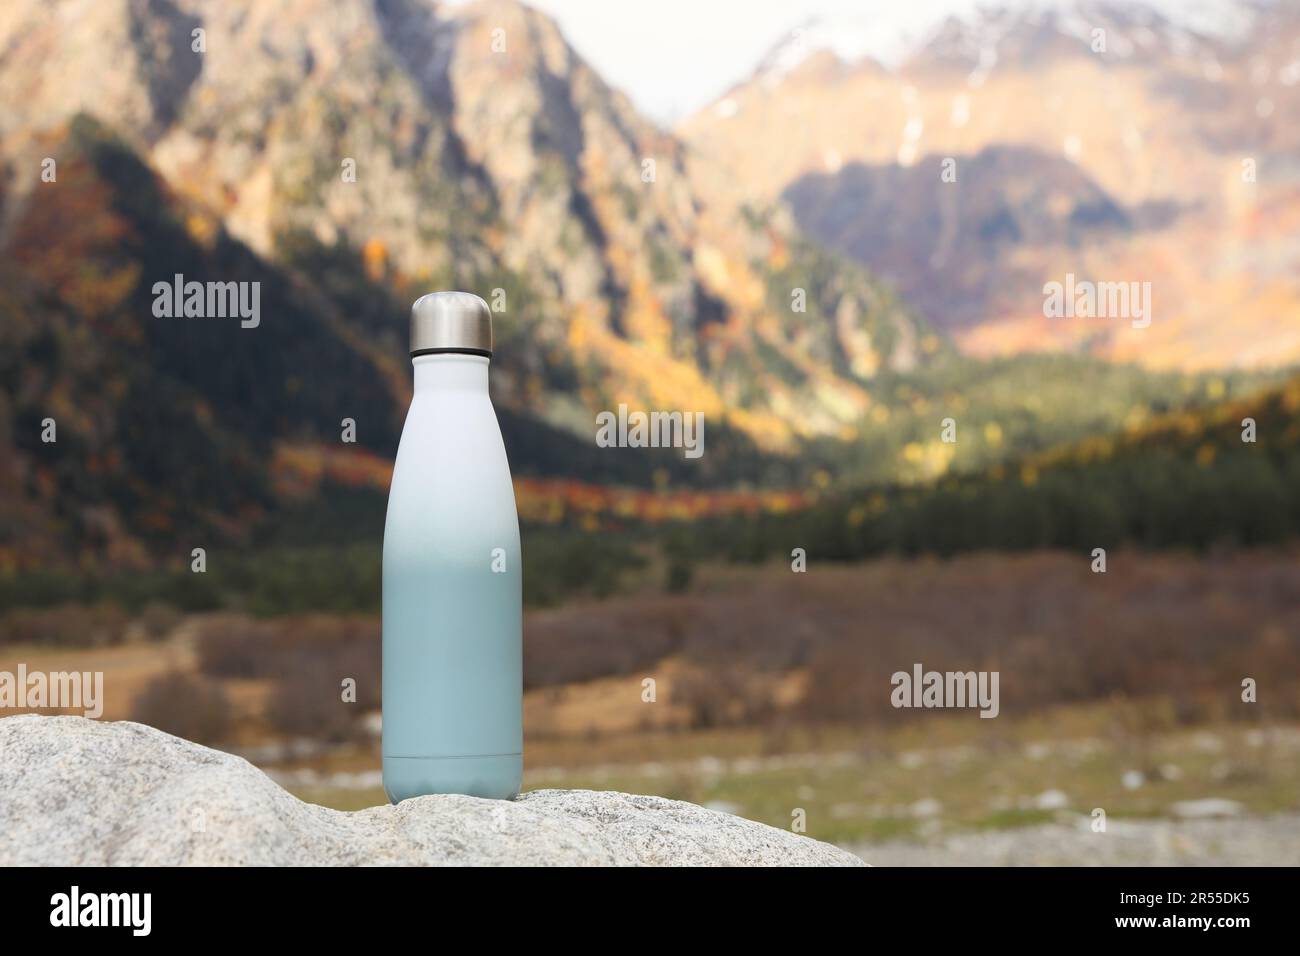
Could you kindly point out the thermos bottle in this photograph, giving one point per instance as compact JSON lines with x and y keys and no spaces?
{"x":452,"y":581}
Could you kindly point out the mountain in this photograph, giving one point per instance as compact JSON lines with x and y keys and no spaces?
{"x":486,"y":155}
{"x":1158,"y":137}
{"x":163,"y":426}
{"x":1012,"y":198}
{"x":348,"y":156}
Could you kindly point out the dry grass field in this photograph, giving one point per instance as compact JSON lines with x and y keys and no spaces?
{"x":771,"y":694}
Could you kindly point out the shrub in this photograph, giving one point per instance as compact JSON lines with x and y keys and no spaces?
{"x":72,"y":625}
{"x":308,"y":702}
{"x":159,"y":620}
{"x":186,"y":705}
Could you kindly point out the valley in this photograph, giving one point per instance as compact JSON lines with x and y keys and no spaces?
{"x":995,"y":333}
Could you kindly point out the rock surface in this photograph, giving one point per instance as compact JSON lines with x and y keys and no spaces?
{"x":78,"y":791}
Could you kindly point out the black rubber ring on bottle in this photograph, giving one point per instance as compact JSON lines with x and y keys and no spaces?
{"x":483,"y":352}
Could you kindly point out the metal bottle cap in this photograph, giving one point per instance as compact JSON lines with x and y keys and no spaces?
{"x":451,"y":322}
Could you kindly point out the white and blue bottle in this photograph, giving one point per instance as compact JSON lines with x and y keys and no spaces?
{"x":452,"y":580}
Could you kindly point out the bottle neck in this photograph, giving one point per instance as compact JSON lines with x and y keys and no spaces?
{"x":454,"y":371}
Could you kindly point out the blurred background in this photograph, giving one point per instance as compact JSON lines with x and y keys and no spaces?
{"x":733,"y":208}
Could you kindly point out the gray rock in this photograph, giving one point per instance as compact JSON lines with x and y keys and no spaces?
{"x":79,"y":791}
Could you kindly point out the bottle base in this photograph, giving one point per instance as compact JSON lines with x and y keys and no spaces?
{"x":496,"y":777}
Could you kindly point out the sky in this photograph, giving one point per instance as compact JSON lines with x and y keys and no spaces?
{"x":673,"y":57}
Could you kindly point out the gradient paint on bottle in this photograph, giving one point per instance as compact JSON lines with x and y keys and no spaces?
{"x":452,"y":594}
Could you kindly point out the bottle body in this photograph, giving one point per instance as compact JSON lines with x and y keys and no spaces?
{"x":452,"y":595}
